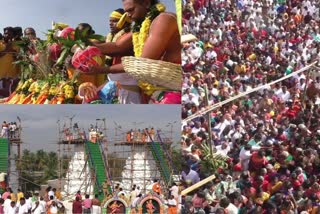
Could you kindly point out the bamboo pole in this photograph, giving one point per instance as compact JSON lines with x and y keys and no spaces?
{"x":197,"y":185}
{"x":208,"y":118}
{"x":218,"y":105}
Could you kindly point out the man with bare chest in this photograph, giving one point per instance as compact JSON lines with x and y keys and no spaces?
{"x":155,"y":35}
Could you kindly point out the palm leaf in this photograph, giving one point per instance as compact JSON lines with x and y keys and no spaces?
{"x":98,"y":37}
{"x":63,"y":56}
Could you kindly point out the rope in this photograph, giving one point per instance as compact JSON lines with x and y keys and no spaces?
{"x":220,"y":104}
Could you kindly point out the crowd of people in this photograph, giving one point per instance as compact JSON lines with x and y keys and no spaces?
{"x":269,"y":138}
{"x":51,"y":200}
{"x":144,"y":135}
{"x":27,"y":202}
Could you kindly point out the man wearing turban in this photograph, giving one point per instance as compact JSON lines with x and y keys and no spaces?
{"x":118,"y":44}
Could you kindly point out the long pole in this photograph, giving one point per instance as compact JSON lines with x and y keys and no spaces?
{"x":218,"y":105}
{"x":208,"y":118}
{"x":305,"y":88}
{"x":19,"y":151}
{"x":197,"y":185}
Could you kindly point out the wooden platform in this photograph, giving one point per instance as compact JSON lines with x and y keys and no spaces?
{"x":74,"y":141}
{"x":15,"y":140}
{"x":126,"y":143}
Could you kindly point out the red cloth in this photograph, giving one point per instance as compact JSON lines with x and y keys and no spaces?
{"x":296,"y":184}
{"x":76,"y":207}
{"x":257,"y":162}
{"x":237,"y":167}
{"x":3,"y":185}
{"x":264,"y":185}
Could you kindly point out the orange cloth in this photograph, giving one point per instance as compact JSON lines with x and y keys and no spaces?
{"x":172,"y":210}
{"x":128,"y":137}
{"x":156,"y":188}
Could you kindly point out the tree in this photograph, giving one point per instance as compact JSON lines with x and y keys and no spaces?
{"x":39,"y":167}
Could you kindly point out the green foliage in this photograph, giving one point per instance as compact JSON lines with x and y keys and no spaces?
{"x":211,"y":162}
{"x":97,"y":37}
{"x":177,"y":158}
{"x":39,"y":167}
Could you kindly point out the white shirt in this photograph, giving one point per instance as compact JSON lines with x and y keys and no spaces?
{"x":172,"y":202}
{"x":195,"y":130}
{"x":29,"y":203}
{"x":149,"y":188}
{"x":223,"y":152}
{"x":244,"y":154}
{"x":53,"y":209}
{"x":192,"y":175}
{"x":175,"y":191}
{"x":134,"y":203}
{"x":43,"y":205}
{"x":283,"y":96}
{"x":232,"y":209}
{"x":23,"y":209}
{"x":123,"y":78}
{"x":2,"y":176}
{"x":6,"y":205}
{"x":39,"y":210}
{"x":10,"y":210}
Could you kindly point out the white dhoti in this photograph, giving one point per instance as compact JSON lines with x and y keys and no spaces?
{"x":96,"y":209}
{"x":129,"y":97}
{"x":129,"y":92}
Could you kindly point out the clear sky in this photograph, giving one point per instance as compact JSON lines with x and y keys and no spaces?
{"x":40,"y":127}
{"x":40,"y":13}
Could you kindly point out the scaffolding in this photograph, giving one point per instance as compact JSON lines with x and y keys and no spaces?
{"x":127,"y":160}
{"x":15,"y":158}
{"x":131,"y":161}
{"x":74,"y":173}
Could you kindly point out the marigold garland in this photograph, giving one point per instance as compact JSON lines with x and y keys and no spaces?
{"x":114,"y":37}
{"x":140,"y":35}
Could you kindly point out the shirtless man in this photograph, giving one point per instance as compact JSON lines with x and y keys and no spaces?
{"x":163,"y":41}
{"x":118,"y":44}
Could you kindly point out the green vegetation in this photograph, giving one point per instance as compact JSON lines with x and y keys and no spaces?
{"x":39,"y":167}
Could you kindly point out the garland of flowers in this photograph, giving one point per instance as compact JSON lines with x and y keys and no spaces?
{"x":114,"y":37}
{"x":140,"y":33}
{"x":140,"y":30}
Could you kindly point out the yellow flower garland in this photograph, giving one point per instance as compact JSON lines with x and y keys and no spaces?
{"x":138,"y":40}
{"x":115,"y":37}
